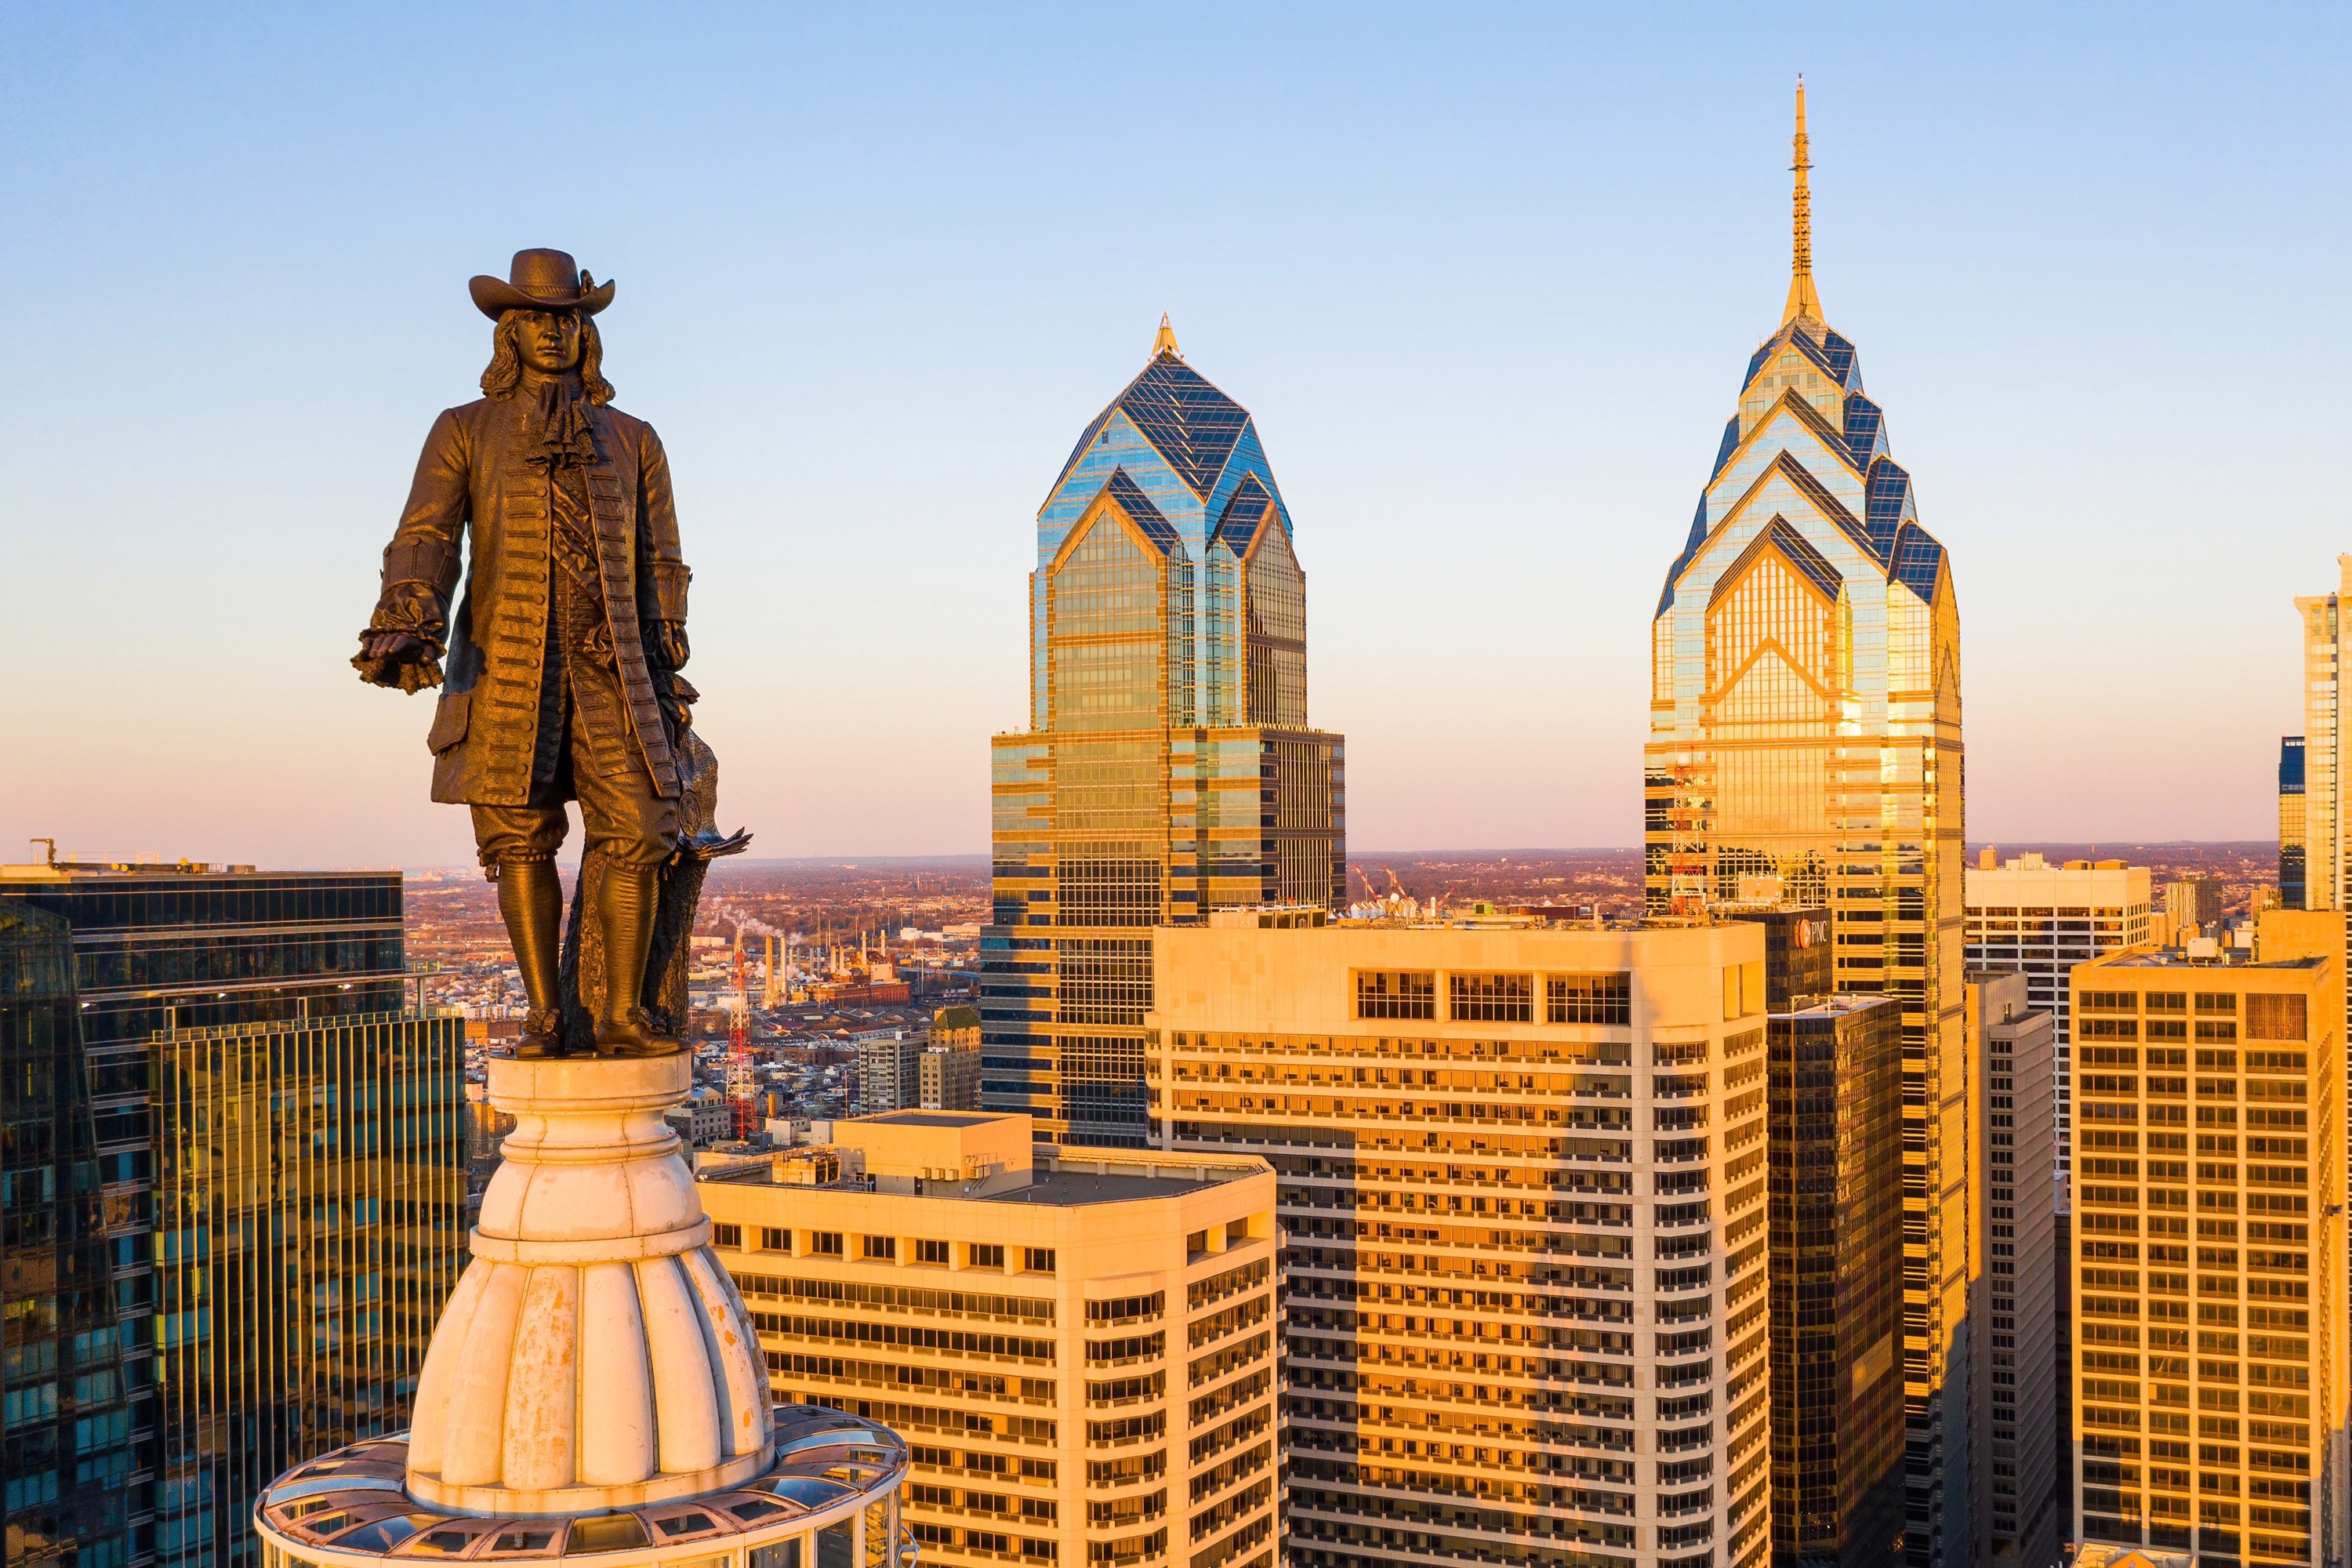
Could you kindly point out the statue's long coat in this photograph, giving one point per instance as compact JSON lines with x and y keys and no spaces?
{"x":473,"y":482}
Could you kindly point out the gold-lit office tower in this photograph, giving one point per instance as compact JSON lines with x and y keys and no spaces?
{"x":1805,"y":748}
{"x":1168,"y":768}
{"x":2209,"y":1380}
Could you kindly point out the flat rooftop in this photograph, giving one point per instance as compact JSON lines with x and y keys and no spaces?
{"x":1059,"y":1179}
{"x":1072,"y":1189}
{"x":928,"y":1118}
{"x":1836,"y":1005}
{"x":2173,"y":958}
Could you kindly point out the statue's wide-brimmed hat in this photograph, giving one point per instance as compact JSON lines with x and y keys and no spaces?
{"x":541,"y":281}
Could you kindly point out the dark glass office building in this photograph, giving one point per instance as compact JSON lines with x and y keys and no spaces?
{"x":1836,"y":1094}
{"x":2292,"y":827}
{"x":278,"y":1171}
{"x":67,"y":1455}
{"x":1168,"y":769}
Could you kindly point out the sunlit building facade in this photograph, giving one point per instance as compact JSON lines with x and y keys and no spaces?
{"x":310,"y":1180}
{"x":1805,"y":747}
{"x":1169,"y":768}
{"x":2209,"y":1283}
{"x":1080,"y":1346}
{"x":1523,"y":1172}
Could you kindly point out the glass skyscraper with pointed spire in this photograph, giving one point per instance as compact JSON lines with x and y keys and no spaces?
{"x":1169,"y":768}
{"x":1805,"y":749}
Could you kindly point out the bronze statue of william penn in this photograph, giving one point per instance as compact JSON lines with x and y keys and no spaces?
{"x":563,"y":658}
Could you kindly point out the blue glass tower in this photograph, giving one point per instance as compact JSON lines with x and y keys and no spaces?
{"x":1169,"y":768}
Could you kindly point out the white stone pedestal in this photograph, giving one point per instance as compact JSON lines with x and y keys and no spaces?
{"x":594,"y":1388}
{"x":595,"y":1354}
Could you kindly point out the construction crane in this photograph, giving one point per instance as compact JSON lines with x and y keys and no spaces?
{"x":741,"y":1112}
{"x":1687,"y":862}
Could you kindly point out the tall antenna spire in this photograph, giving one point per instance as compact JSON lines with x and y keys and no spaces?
{"x":1802,"y":300}
{"x":1165,"y":341}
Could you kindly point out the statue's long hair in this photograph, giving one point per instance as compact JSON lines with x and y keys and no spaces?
{"x":504,"y":371}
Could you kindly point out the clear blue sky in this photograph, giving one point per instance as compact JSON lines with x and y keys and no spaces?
{"x":1487,"y":275}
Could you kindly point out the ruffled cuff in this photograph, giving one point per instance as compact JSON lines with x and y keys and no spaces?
{"x":414,"y":608}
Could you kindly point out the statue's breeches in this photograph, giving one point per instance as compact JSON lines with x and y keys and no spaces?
{"x":618,"y":808}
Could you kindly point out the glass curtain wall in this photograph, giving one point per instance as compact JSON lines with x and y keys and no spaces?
{"x":310,"y":1185}
{"x":168,"y":948}
{"x":67,"y":1459}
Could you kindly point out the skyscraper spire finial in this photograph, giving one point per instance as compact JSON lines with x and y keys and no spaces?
{"x":1802,"y":301}
{"x":1165,"y":343}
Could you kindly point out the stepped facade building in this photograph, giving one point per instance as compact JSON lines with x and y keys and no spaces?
{"x":1169,"y":768}
{"x":1805,"y":749}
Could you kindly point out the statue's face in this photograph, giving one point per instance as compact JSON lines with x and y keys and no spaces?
{"x":548,"y":341}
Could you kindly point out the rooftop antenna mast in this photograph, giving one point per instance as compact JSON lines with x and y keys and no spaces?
{"x":1804,"y":303}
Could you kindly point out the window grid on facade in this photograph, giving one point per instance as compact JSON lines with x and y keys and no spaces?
{"x":1589,"y":998}
{"x":1491,"y":999}
{"x":2209,"y":1278}
{"x":1396,"y":993}
{"x":1400,"y":1156}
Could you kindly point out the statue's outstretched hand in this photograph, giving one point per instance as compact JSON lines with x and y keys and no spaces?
{"x":397,"y":659}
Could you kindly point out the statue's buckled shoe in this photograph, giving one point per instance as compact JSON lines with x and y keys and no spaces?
{"x":632,"y":1036}
{"x":541,"y":1036}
